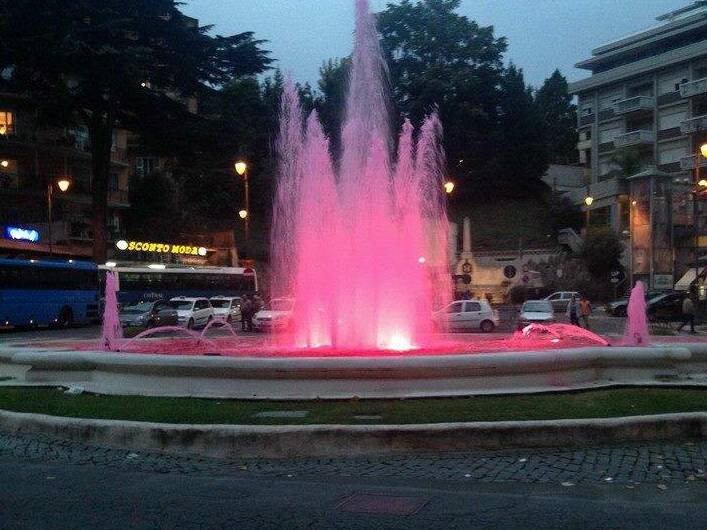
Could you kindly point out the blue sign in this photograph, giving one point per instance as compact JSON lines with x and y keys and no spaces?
{"x":17,"y":233}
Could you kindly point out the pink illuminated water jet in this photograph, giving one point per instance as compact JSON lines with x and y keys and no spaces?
{"x":112,"y":331}
{"x":637,"y":333}
{"x":361,"y":249}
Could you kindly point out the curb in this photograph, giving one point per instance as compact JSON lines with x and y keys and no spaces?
{"x":246,"y":441}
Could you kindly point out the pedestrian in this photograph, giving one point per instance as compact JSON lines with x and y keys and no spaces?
{"x":688,"y":313}
{"x":585,"y":309}
{"x":246,"y":308}
{"x":251,"y":311}
{"x":573,"y":311}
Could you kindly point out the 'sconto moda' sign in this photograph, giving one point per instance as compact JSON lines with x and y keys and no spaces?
{"x":162,"y":248}
{"x":17,"y":233}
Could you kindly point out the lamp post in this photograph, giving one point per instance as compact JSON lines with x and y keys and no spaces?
{"x":242,"y":170}
{"x":449,"y":187}
{"x":588,"y":200}
{"x":63,"y":183}
{"x":699,"y":188}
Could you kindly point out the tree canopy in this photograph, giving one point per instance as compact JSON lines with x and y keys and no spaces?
{"x":109,"y":62}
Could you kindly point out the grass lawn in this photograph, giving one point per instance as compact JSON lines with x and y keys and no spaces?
{"x":589,"y":404}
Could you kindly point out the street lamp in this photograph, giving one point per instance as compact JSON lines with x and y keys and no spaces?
{"x":242,"y":170}
{"x":449,"y":187}
{"x":588,"y":200}
{"x":63,"y":183}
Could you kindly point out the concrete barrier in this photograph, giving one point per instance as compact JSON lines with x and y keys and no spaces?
{"x":231,"y":441}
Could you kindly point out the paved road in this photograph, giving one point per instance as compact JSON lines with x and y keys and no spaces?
{"x":49,"y":483}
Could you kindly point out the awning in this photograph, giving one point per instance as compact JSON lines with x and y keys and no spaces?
{"x":683,"y":284}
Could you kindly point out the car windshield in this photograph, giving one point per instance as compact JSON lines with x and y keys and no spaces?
{"x":281,"y":305}
{"x":220,"y":303}
{"x":181,"y":304}
{"x":537,"y":306}
{"x":134,"y":309}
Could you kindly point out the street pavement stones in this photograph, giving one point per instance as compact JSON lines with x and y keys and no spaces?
{"x":655,"y":463}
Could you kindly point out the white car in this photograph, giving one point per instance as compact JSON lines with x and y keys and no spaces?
{"x":536,"y":312}
{"x":561,"y":299}
{"x":193,"y":312}
{"x":227,"y":308}
{"x":466,"y":315}
{"x":276,"y":316}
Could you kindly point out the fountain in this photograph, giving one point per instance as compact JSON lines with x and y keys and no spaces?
{"x":636,"y":333}
{"x":112,"y":331}
{"x":361,"y":249}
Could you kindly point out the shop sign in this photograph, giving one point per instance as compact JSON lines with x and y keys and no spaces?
{"x":17,"y":233}
{"x":161,"y":248}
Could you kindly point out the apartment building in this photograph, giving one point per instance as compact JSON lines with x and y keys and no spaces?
{"x":31,"y":157}
{"x":642,"y":115}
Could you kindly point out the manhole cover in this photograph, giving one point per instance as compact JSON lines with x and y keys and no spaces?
{"x":382,"y":504}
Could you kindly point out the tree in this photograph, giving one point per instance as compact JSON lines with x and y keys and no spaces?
{"x":522,"y":159}
{"x":333,"y":78}
{"x":601,"y":253}
{"x":153,"y":213}
{"x":103,"y":62}
{"x":559,"y":117}
{"x":438,"y":57}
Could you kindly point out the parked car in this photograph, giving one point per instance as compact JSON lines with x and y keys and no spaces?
{"x":193,"y":312}
{"x":536,"y":312}
{"x":560,"y":300}
{"x":618,"y":308}
{"x":666,"y":307}
{"x":467,"y":315}
{"x":148,"y":314}
{"x":276,"y":316}
{"x":227,"y":308}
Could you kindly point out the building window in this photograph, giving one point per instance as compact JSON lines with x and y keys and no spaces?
{"x":79,"y":136}
{"x":144,"y":165}
{"x":7,"y":122}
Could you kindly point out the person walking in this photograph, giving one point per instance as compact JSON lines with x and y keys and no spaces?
{"x":688,"y":313}
{"x":246,"y":316}
{"x":573,"y":311}
{"x":585,"y":310}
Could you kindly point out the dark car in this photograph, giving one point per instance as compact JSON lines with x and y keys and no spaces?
{"x":666,"y":307}
{"x":148,"y":314}
{"x":618,"y":308}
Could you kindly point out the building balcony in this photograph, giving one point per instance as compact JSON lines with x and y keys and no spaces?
{"x":693,"y":125}
{"x":694,"y":88}
{"x":119,"y":198}
{"x":638,"y":137}
{"x":634,"y":105}
{"x":688,"y":162}
{"x":583,"y":145}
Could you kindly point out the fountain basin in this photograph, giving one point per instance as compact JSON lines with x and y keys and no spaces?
{"x":389,"y":376}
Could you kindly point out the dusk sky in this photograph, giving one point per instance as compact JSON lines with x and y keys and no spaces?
{"x":542,"y":34}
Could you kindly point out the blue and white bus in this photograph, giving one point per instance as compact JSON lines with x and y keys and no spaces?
{"x":37,"y":292}
{"x":139,"y":283}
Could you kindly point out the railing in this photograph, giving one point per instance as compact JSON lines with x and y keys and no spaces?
{"x":584,"y":144}
{"x":119,"y":197}
{"x":119,"y":155}
{"x":693,"y":88}
{"x":634,"y":104}
{"x":688,"y":162}
{"x":693,"y":125}
{"x":640,"y":136}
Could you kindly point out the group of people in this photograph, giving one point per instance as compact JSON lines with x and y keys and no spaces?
{"x":579,"y":309}
{"x":250,"y":305}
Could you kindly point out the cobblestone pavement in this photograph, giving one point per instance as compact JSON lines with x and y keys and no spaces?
{"x":52,"y":483}
{"x":658,"y":463}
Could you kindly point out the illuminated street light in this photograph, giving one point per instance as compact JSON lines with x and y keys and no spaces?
{"x":63,"y":184}
{"x":702,"y":183}
{"x":243,"y":214}
{"x":5,"y":163}
{"x":588,"y":200}
{"x":703,"y":150}
{"x":449,"y":186}
{"x":241,"y":167}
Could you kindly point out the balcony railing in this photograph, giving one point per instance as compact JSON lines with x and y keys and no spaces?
{"x":693,"y":125}
{"x":634,"y":104}
{"x":641,"y":136}
{"x":584,"y":144}
{"x":119,"y":197}
{"x":694,"y":88}
{"x":688,"y":162}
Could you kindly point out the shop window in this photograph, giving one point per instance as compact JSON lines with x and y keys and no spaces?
{"x":7,"y":122}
